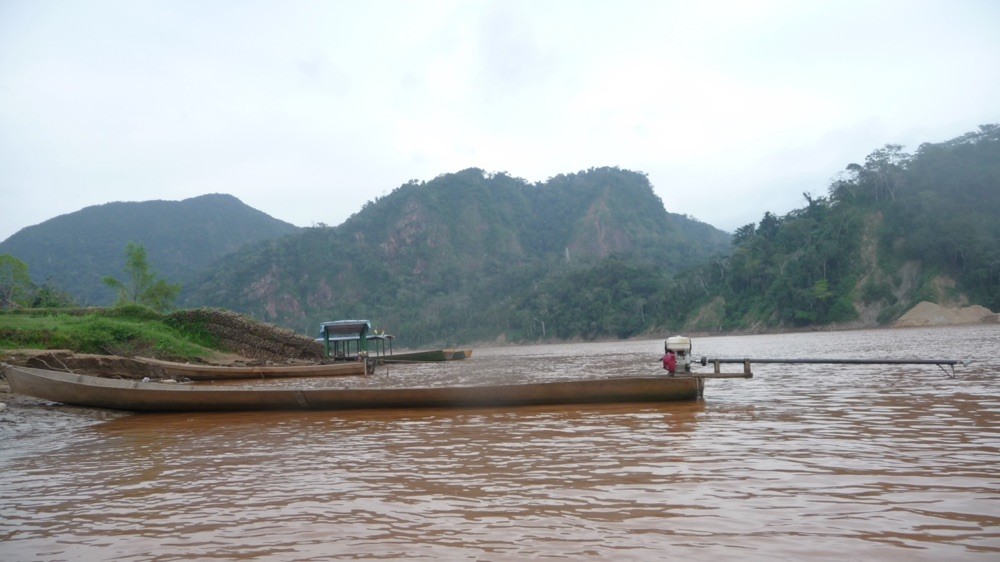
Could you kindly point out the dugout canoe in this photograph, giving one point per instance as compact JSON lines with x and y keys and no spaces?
{"x":199,"y":372}
{"x":421,"y":356}
{"x":86,"y":390}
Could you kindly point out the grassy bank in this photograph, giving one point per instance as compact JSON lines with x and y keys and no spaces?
{"x":126,"y":331}
{"x":129,"y":331}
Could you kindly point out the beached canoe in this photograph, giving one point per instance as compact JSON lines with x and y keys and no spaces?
{"x":85,"y":390}
{"x":199,"y":372}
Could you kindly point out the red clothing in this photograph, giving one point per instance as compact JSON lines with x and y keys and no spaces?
{"x":670,"y":362}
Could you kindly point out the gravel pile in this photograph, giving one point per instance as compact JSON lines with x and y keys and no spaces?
{"x":932,"y":314}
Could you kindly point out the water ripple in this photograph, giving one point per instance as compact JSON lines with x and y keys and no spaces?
{"x":798,"y":463}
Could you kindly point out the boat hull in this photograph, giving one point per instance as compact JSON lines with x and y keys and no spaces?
{"x":421,"y":356}
{"x":86,"y":390}
{"x":197,"y":372}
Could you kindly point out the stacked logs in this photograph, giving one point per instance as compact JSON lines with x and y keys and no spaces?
{"x":250,"y":338}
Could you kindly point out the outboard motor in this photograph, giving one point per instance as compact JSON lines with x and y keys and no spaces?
{"x":682,"y":347}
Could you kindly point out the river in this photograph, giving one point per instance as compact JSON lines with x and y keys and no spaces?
{"x":801,"y":462}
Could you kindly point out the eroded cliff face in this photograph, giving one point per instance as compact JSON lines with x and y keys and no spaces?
{"x":882,"y":293}
{"x":270,"y":290}
{"x":877,"y":290}
{"x":407,"y":229}
{"x":872,"y":274}
{"x":709,"y":318}
{"x":598,"y":236}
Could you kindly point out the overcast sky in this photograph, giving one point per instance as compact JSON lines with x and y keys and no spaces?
{"x":306,"y":110}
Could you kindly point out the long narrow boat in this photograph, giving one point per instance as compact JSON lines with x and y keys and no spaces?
{"x":86,"y":390}
{"x":199,"y":372}
{"x":421,"y":356}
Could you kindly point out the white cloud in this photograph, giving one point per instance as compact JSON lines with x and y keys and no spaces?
{"x":306,"y":110}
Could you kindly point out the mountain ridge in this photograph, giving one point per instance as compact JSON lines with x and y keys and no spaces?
{"x":428,"y":251}
{"x":476,"y":256}
{"x":77,"y":250}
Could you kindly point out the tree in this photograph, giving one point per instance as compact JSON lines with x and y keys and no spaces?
{"x":883,"y":169}
{"x":49,"y":296}
{"x":143,"y":287}
{"x":15,"y":283}
{"x":744,"y":234}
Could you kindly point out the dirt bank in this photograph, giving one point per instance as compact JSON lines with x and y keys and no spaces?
{"x":931,"y":314}
{"x":111,"y":366}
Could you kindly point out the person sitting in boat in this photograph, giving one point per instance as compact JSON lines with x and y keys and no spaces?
{"x":670,"y":361}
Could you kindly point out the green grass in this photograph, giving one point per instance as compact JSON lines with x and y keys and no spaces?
{"x":127,"y":331}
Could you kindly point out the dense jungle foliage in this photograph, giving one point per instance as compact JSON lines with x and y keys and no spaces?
{"x":893,"y":231}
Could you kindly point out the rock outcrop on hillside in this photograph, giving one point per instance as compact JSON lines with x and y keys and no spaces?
{"x":931,"y":314}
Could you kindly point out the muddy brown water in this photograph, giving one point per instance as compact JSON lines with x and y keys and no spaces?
{"x":805,"y":462}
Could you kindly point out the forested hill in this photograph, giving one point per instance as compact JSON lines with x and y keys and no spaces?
{"x":77,"y":250}
{"x":471,"y":256}
{"x":893,"y":231}
{"x":461,"y":256}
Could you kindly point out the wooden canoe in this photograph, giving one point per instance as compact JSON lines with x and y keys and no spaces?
{"x":86,"y":390}
{"x":198,"y":372}
{"x":421,"y":356}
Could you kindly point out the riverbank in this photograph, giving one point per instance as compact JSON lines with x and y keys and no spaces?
{"x":29,"y":414}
